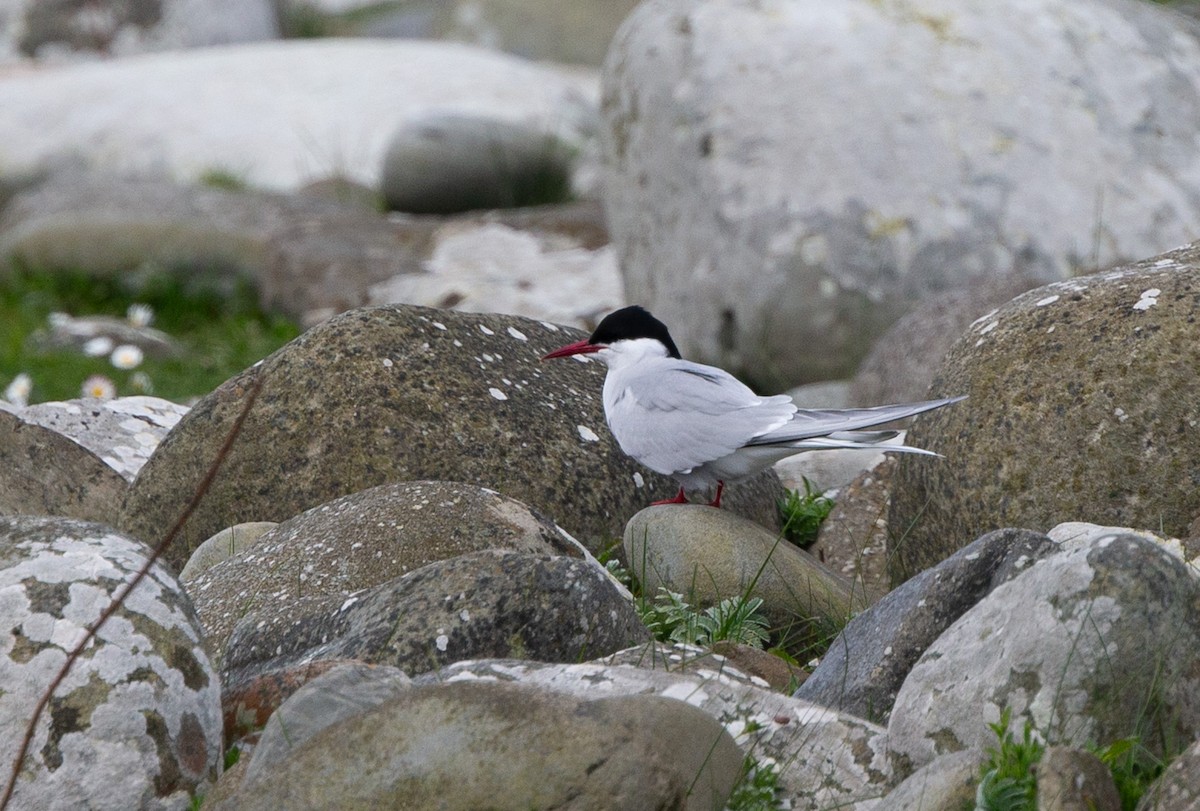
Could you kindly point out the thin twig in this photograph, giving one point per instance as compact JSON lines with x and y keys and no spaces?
{"x":118,"y":601}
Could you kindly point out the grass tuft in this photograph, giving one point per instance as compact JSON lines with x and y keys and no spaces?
{"x":802,"y":514}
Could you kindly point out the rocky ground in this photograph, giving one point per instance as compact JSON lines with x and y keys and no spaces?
{"x":385,"y":590}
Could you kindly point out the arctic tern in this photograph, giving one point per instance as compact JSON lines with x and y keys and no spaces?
{"x":700,"y":424}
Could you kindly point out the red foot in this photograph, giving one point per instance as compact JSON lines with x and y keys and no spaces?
{"x":716,"y":502}
{"x":680,"y":498}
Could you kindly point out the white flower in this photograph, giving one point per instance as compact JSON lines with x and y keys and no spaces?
{"x":141,"y":383}
{"x":18,"y":390}
{"x":139,"y":315}
{"x":58,"y":320}
{"x":100,"y":345}
{"x":99,"y":387}
{"x":126,"y":356}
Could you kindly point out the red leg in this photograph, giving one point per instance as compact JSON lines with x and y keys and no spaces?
{"x":716,"y":502}
{"x":680,"y":498}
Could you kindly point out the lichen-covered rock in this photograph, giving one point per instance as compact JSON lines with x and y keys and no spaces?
{"x":493,"y":603}
{"x":865,"y":666}
{"x":1092,"y":645}
{"x":123,"y":432}
{"x":137,"y":722}
{"x":1083,"y":405}
{"x":396,"y":393}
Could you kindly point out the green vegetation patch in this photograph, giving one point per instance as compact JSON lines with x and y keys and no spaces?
{"x":214,"y":320}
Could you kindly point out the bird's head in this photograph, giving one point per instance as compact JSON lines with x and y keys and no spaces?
{"x":627,"y":330}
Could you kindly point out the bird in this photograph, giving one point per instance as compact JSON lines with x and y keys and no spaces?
{"x":701,"y":425}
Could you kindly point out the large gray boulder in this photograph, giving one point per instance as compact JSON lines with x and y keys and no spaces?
{"x":1092,"y":645}
{"x":835,"y":162}
{"x":1081,"y":407}
{"x":394,"y":393}
{"x":465,"y":746}
{"x":315,"y":112}
{"x":823,"y":759}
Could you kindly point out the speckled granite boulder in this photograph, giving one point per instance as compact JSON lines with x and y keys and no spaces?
{"x":137,"y":723}
{"x":1082,"y":407}
{"x":493,"y":603}
{"x":396,"y":393}
{"x":362,"y":540}
{"x":43,"y":472}
{"x":123,"y":432}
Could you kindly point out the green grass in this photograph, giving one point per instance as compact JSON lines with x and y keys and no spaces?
{"x":217,"y":323}
{"x":802,"y":514}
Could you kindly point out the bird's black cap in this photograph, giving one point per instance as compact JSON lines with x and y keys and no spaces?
{"x":632,"y":322}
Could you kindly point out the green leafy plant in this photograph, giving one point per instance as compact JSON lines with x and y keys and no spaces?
{"x":802,"y":514}
{"x":672,"y":619}
{"x":1133,"y":769}
{"x":1007,"y":780}
{"x":758,"y":787}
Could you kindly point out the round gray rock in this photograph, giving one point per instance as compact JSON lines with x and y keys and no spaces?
{"x":137,"y":722}
{"x":450,"y":163}
{"x":362,"y":540}
{"x":710,"y":555}
{"x":1082,"y":407}
{"x":472,"y":745}
{"x":495,"y":603}
{"x":836,"y":162}
{"x":394,"y":393}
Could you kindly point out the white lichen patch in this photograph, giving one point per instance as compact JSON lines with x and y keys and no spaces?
{"x":686,"y":691}
{"x":440,"y":325}
{"x":516,"y":333}
{"x":985,"y":317}
{"x":639,"y":481}
{"x":499,"y":395}
{"x":1046,"y":301}
{"x":485,"y":330}
{"x":587,"y":434}
{"x":387,"y":363}
{"x":1149,"y":298}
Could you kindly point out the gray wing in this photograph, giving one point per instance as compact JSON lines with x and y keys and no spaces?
{"x":808,"y":423}
{"x":674,"y":415}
